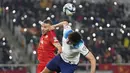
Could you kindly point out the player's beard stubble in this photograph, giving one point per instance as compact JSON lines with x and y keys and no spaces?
{"x":44,"y":31}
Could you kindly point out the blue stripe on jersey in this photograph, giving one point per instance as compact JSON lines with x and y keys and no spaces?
{"x":66,"y":33}
{"x":78,"y":45}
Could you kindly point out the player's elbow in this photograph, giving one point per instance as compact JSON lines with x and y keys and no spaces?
{"x":91,"y":58}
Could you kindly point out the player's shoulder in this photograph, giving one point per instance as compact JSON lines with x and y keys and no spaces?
{"x":51,"y":32}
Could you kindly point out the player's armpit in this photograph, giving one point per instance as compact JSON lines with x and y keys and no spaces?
{"x":92,"y":60}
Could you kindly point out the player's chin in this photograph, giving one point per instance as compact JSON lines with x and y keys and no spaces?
{"x":44,"y":32}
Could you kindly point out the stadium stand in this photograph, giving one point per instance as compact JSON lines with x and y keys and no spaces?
{"x":104,"y":26}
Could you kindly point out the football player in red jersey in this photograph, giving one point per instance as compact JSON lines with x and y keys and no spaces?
{"x":47,"y":45}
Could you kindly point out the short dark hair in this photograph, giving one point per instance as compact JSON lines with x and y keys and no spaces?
{"x":74,"y":37}
{"x":66,"y":20}
{"x":48,"y":22}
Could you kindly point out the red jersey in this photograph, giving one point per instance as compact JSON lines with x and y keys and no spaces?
{"x":46,"y":48}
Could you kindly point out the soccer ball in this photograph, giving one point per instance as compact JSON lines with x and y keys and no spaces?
{"x":69,"y":9}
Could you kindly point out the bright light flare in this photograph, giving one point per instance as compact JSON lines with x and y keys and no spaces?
{"x":77,"y":30}
{"x":34,"y":52}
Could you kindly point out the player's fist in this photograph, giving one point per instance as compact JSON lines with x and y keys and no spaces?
{"x":59,"y":51}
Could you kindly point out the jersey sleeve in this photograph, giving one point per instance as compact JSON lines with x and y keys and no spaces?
{"x":53,"y":37}
{"x":83,"y":49}
{"x":67,"y":31}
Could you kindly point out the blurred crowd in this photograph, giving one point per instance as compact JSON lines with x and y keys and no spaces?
{"x":4,"y":51}
{"x":104,"y":26}
{"x":8,"y":54}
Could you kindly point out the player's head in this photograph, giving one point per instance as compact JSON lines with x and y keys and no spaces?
{"x":74,"y":37}
{"x":45,"y":25}
{"x":49,"y":22}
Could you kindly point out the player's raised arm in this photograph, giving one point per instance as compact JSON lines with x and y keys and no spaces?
{"x":61,"y":24}
{"x":58,"y":46}
{"x":55,"y":41}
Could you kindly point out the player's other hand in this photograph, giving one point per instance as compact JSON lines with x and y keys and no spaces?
{"x":59,"y":51}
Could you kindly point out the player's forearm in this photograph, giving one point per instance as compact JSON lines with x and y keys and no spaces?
{"x":93,"y":65}
{"x":61,"y":24}
{"x":58,"y":46}
{"x":92,"y":61}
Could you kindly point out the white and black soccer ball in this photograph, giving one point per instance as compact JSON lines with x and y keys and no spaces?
{"x":69,"y":9}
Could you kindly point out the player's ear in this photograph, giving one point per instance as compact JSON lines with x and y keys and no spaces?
{"x":69,"y":42}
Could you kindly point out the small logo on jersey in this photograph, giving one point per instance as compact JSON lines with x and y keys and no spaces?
{"x":41,"y":42}
{"x":46,"y":36}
